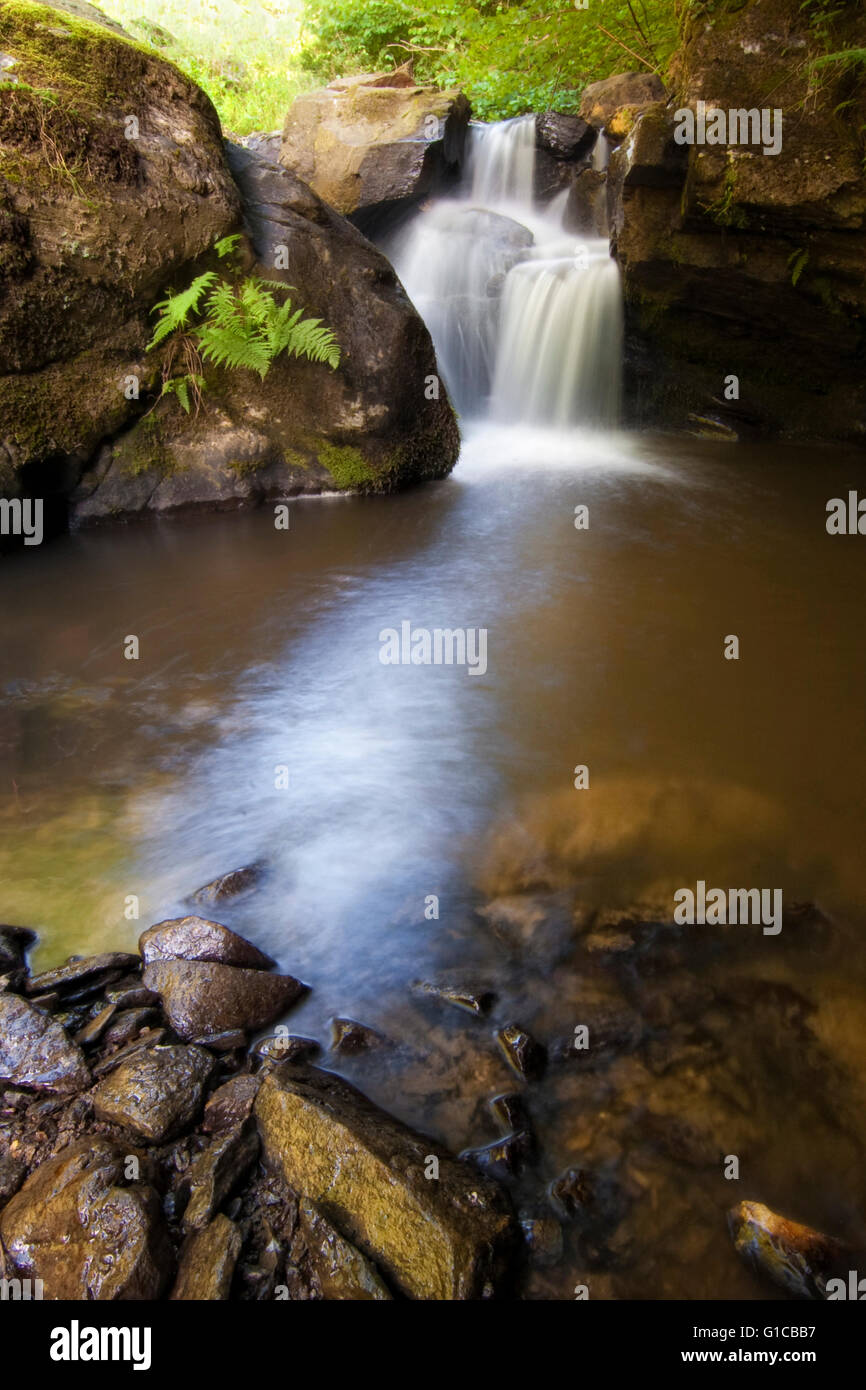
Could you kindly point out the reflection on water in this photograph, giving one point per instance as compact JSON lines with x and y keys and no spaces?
{"x":260,"y":651}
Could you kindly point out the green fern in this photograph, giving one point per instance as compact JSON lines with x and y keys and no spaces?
{"x":233,"y":325}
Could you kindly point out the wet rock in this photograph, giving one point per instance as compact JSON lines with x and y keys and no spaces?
{"x":201,"y":998}
{"x":565,"y":137}
{"x":348,"y":1036}
{"x":433,"y":1239}
{"x":604,"y":1023}
{"x":128,"y":1024}
{"x":74,"y":1227}
{"x":35,"y":1050}
{"x":340,"y":1270}
{"x":231,"y":1103}
{"x":14,"y":945}
{"x":157,"y":1092}
{"x":195,"y":938}
{"x":572,"y":1194}
{"x":543,"y":1236}
{"x":215,"y":1172}
{"x":471,"y":1002}
{"x":229,"y":885}
{"x":796,"y":1258}
{"x":149,"y":1038}
{"x":524,"y":1055}
{"x":286,"y":1047}
{"x":207,"y":1263}
{"x":509,"y":1111}
{"x":504,"y":1157}
{"x":93,"y":1031}
{"x":130,"y":993}
{"x":80,"y":976}
{"x":230,"y":1041}
{"x":12,"y":1173}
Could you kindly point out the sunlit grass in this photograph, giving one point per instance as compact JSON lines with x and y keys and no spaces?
{"x":244,"y":55}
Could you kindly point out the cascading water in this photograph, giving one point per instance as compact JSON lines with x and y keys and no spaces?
{"x":526,"y":317}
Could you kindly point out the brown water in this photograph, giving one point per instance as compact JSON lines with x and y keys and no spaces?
{"x":260,"y":649}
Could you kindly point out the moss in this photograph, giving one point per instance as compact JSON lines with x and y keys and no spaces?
{"x":347,"y":466}
{"x":142,"y":449}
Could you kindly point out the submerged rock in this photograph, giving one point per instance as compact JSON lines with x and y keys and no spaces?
{"x":157,"y":1093}
{"x":339,"y":1268}
{"x":502,"y":1158}
{"x":74,"y":1227}
{"x":470,"y":1001}
{"x":286,"y":1047}
{"x":523,"y":1054}
{"x":445,"y":1237}
{"x":349,"y":1036}
{"x":229,"y":885}
{"x":202,"y":998}
{"x":36,"y":1051}
{"x":207,"y":1263}
{"x":796,"y":1258}
{"x":196,"y":938}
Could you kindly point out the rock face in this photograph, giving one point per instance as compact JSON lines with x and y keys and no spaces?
{"x":36,"y":1051}
{"x":195,"y":938}
{"x":74,"y":1227}
{"x":433,"y":1239}
{"x":156,"y":1093}
{"x":202,"y":1000}
{"x":93,"y":225}
{"x":738,"y":264}
{"x":373,"y":425}
{"x":374,"y":143}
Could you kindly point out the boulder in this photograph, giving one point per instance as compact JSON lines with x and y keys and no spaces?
{"x":633,"y":90}
{"x":367,"y":144}
{"x":195,"y":938}
{"x":75,"y":1227}
{"x":565,"y":137}
{"x":229,"y":885}
{"x":201,"y":999}
{"x":207,"y":1263}
{"x":445,"y":1238}
{"x":370,"y":426}
{"x":35,"y":1050}
{"x":156,"y":1093}
{"x":93,"y":226}
{"x":340,"y":1271}
{"x":741,"y":264}
{"x":795,"y":1258}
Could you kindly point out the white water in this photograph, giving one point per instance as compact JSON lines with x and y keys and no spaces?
{"x":526,"y":318}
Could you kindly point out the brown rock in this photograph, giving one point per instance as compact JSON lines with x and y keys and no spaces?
{"x":78,"y":975}
{"x":601,"y":100}
{"x":201,"y":999}
{"x":524,"y":1055}
{"x":348,"y":1036}
{"x":195,"y":938}
{"x":796,"y":1258}
{"x":340,"y":1270}
{"x":215,"y":1172}
{"x":156,"y":1093}
{"x":228,"y":885}
{"x":207,"y":1263}
{"x":35,"y":1050}
{"x":93,"y":1031}
{"x":445,"y":1238}
{"x":72,"y":1226}
{"x":230,"y":1103}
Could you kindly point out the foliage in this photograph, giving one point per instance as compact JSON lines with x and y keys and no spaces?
{"x":235,"y":323}
{"x":244,"y":53}
{"x":508,"y":57}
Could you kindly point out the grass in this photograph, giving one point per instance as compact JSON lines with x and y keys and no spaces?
{"x":244,"y":53}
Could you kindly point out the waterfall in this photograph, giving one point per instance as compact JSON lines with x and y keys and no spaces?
{"x":526,"y":319}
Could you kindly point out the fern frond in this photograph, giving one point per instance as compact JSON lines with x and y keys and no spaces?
{"x":225,"y":247}
{"x":175,"y":309}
